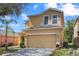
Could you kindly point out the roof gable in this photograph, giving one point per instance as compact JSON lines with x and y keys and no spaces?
{"x":76,"y":20}
{"x":46,"y":11}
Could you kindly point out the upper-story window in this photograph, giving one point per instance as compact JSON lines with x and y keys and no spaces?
{"x":54,"y":19}
{"x":45,"y":20}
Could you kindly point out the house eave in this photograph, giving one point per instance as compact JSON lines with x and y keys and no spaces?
{"x":45,"y":11}
{"x":45,"y":28}
{"x":76,"y":20}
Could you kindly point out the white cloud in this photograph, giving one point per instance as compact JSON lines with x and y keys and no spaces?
{"x":66,"y":1}
{"x":14,"y":25}
{"x":70,"y":9}
{"x":35,"y":6}
{"x":51,"y":5}
{"x":40,"y":1}
{"x":8,"y":17}
{"x":2,"y":28}
{"x":24,"y":16}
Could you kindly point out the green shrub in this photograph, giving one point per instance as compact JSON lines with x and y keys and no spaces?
{"x":22,"y":45}
{"x":22,"y":42}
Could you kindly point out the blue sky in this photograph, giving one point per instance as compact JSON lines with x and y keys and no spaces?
{"x":71,"y":11}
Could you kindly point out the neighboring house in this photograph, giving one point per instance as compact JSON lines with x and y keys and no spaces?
{"x":76,"y":29}
{"x":13,"y":38}
{"x":45,"y":30}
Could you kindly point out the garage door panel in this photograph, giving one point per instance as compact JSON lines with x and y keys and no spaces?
{"x":42,"y":41}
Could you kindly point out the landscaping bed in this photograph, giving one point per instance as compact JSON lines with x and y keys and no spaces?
{"x":68,"y":50}
{"x":11,"y":49}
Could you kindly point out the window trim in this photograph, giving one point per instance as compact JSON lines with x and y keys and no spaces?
{"x":52,"y":19}
{"x":44,"y":20}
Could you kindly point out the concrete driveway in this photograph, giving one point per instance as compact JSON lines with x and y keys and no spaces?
{"x":31,"y":52}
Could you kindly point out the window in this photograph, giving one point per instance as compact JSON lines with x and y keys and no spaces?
{"x":54,"y":19}
{"x":45,"y":20}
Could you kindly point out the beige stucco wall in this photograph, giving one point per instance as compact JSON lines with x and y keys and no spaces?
{"x":49,"y":30}
{"x":38,"y":20}
{"x":35,"y":36}
{"x":76,"y":28}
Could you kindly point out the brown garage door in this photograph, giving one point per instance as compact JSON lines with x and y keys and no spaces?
{"x":42,"y":41}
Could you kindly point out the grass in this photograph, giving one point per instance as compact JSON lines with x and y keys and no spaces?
{"x":2,"y":50}
{"x":70,"y":45}
{"x":62,"y":51}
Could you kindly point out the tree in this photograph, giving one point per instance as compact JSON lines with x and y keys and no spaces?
{"x":12,"y":8}
{"x":68,"y":30}
{"x":8,"y":9}
{"x":5,"y":24}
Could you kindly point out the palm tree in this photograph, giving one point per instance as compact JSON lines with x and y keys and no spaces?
{"x":9,"y":9}
{"x":5,"y":24}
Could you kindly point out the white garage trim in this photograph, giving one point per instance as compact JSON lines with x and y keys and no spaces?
{"x":25,"y":42}
{"x":43,"y":33}
{"x":56,"y":33}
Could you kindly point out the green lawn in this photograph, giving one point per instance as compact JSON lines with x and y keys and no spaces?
{"x":2,"y":50}
{"x":70,"y":45}
{"x":62,"y":51}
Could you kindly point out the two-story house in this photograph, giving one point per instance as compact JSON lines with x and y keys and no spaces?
{"x":76,"y":29}
{"x":45,"y":30}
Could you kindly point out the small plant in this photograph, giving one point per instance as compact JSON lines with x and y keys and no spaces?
{"x":78,"y":33}
{"x":22,"y":45}
{"x":22,"y":42}
{"x":65,"y":44}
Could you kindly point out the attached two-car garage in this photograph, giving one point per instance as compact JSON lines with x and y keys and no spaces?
{"x":42,"y":41}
